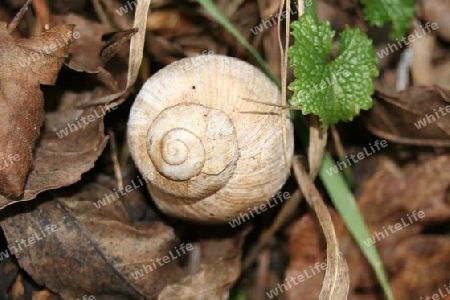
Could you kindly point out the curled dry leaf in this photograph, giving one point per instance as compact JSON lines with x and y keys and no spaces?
{"x":336,"y":281}
{"x":92,"y":251}
{"x":85,"y":51}
{"x":95,"y":46}
{"x":308,"y":259}
{"x":60,"y":161}
{"x":96,"y":43}
{"x":414,"y":116}
{"x":30,"y":62}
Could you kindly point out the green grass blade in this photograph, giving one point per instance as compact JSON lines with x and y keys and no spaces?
{"x":335,"y":185}
{"x":223,"y":20}
{"x":345,"y":204}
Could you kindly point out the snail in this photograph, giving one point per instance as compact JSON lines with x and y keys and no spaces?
{"x":208,"y":152}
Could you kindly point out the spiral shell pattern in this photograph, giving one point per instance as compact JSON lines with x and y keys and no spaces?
{"x":207,"y":152}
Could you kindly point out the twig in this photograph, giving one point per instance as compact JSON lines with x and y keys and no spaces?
{"x":15,"y":22}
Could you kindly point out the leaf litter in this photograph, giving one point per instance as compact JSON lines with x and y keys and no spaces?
{"x":62,"y":167}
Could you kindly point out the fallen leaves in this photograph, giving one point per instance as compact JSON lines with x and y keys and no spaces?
{"x":415,"y":116}
{"x":390,"y":196}
{"x":54,"y":158}
{"x":61,"y":161}
{"x":422,"y":267}
{"x":93,"y":253}
{"x":29,"y":63}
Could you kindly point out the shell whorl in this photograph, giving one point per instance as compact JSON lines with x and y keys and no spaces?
{"x":178,"y":155}
{"x":190,"y":140}
{"x":208,"y":153}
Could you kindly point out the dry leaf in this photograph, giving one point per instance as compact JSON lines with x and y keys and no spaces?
{"x":8,"y":272}
{"x":307,"y":258}
{"x":422,"y":265}
{"x":30,"y":62}
{"x":336,"y":283}
{"x":61,"y":161}
{"x":215,"y":265}
{"x":92,"y":251}
{"x":414,"y":116}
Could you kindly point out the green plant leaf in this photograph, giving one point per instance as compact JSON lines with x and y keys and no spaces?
{"x":398,"y":12}
{"x":335,"y":91}
{"x":348,"y":209}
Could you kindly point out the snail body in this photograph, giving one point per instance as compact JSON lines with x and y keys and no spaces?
{"x":208,"y":153}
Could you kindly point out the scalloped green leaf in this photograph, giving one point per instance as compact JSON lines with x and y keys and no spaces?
{"x":335,"y":91}
{"x":398,"y":12}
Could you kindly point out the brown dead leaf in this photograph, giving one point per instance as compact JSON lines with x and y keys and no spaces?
{"x":61,"y":161}
{"x":392,"y":195}
{"x":212,"y":281}
{"x":307,"y":254}
{"x":414,"y":116}
{"x":85,"y":51}
{"x":422,"y":268}
{"x":29,"y":63}
{"x":214,"y":267}
{"x":336,"y":281}
{"x":8,"y":272}
{"x":306,"y":250}
{"x":90,"y":251}
{"x":96,"y":43}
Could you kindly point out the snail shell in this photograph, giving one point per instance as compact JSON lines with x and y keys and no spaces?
{"x":208,"y":153}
